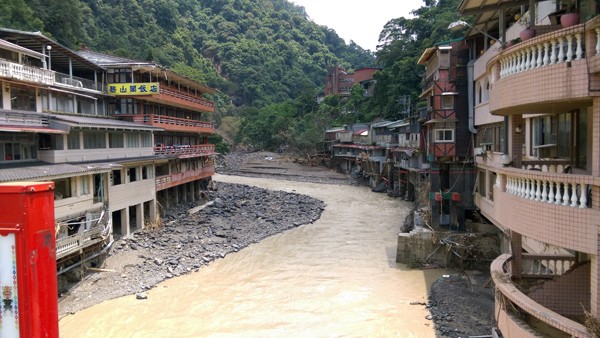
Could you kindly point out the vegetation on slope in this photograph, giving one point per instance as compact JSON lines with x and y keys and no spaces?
{"x":268,"y":60}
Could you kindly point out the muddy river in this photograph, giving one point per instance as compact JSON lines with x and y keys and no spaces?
{"x":334,"y":278}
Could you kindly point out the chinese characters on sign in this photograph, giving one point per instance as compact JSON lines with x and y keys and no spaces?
{"x":143,"y":88}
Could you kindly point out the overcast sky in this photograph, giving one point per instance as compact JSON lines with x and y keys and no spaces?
{"x":358,"y":20}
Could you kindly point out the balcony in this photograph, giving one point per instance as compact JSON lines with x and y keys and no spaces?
{"x":512,"y":303}
{"x":550,"y":206}
{"x":25,"y":73}
{"x":169,"y":181}
{"x":184,"y":100}
{"x":67,"y":81}
{"x":185,"y":151}
{"x":543,"y":72}
{"x":175,"y":124}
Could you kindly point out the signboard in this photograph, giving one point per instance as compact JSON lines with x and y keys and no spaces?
{"x":141,"y":88}
{"x":9,"y":303}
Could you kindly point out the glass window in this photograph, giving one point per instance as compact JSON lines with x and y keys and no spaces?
{"x":444,"y":135}
{"x":84,"y":185}
{"x":115,"y":140}
{"x":94,"y":140}
{"x":447,"y":101}
{"x":133,"y":140}
{"x":146,"y":139}
{"x":22,"y":98}
{"x":62,"y":188}
{"x":73,"y":140}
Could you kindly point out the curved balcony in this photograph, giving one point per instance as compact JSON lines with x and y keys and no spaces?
{"x":549,"y":70}
{"x":510,"y":300}
{"x":551,"y":207}
{"x":175,"y":124}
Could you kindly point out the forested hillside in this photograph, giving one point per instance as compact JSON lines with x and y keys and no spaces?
{"x":266,"y":58}
{"x":257,"y":51}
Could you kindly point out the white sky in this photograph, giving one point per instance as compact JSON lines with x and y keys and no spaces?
{"x":344,"y":16}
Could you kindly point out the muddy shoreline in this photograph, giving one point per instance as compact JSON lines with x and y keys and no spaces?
{"x":460,"y":304}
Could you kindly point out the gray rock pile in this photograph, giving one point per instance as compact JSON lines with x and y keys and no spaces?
{"x":239,"y":216}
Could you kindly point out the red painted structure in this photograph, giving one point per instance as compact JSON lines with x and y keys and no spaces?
{"x":28,"y":284}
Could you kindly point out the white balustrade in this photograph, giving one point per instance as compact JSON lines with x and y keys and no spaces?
{"x":26,"y":73}
{"x":573,"y":195}
{"x":566,"y":48}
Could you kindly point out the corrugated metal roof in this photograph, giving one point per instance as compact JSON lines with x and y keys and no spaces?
{"x":486,"y":12}
{"x":39,"y":130}
{"x":398,"y":124}
{"x":381,"y":124}
{"x":19,"y":171}
{"x":110,"y":61}
{"x":19,"y":49}
{"x":65,"y":122}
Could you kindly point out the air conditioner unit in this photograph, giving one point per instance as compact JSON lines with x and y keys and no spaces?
{"x":478,"y":151}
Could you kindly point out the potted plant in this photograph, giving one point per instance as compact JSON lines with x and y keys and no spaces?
{"x":528,"y":32}
{"x":513,"y":42}
{"x":571,"y":17}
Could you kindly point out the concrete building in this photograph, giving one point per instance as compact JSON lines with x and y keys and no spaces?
{"x":339,"y":81}
{"x":537,"y":113}
{"x":448,"y":142}
{"x":60,"y":121}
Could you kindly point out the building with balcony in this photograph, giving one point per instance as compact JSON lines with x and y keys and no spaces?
{"x":148,"y":94}
{"x":58,"y":123}
{"x":445,"y":129}
{"x":537,"y":113}
{"x":339,"y":81}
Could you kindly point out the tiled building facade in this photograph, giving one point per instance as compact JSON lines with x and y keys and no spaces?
{"x":537,"y":113}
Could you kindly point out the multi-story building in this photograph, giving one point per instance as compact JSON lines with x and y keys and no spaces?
{"x":339,"y":81}
{"x":537,"y":114}
{"x":446,"y":133}
{"x":149,"y":94}
{"x":58,"y":122}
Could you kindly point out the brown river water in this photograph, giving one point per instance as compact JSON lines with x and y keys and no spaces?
{"x":334,"y":278}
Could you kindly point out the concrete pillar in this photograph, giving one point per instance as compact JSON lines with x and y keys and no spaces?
{"x":175,"y":195}
{"x":516,"y":139}
{"x":516,"y":245}
{"x":190,"y":189}
{"x":139,"y":219}
{"x":595,"y":141}
{"x":125,"y":229}
{"x":152,"y":212}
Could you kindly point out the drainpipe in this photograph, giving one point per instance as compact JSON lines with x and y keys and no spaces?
{"x":470,"y":92}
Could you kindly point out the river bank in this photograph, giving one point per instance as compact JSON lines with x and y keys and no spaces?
{"x":458,"y":305}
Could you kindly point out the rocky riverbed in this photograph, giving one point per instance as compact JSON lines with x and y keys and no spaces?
{"x":461,"y":304}
{"x":236,"y":216}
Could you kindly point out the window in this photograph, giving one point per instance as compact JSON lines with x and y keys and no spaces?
{"x":444,"y":135}
{"x":94,"y":140}
{"x":115,"y":140}
{"x":119,"y":75}
{"x":447,"y":101}
{"x":122,"y":106}
{"x":146,"y":139}
{"x":132,"y":173}
{"x":491,"y":137}
{"x":62,"y":188}
{"x":116,"y":177}
{"x":84,"y":185}
{"x":73,"y":140}
{"x":99,"y":188}
{"x":133,"y":140}
{"x":22,"y":98}
{"x":147,"y":172}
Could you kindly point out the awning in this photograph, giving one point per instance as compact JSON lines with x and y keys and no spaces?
{"x":39,"y":130}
